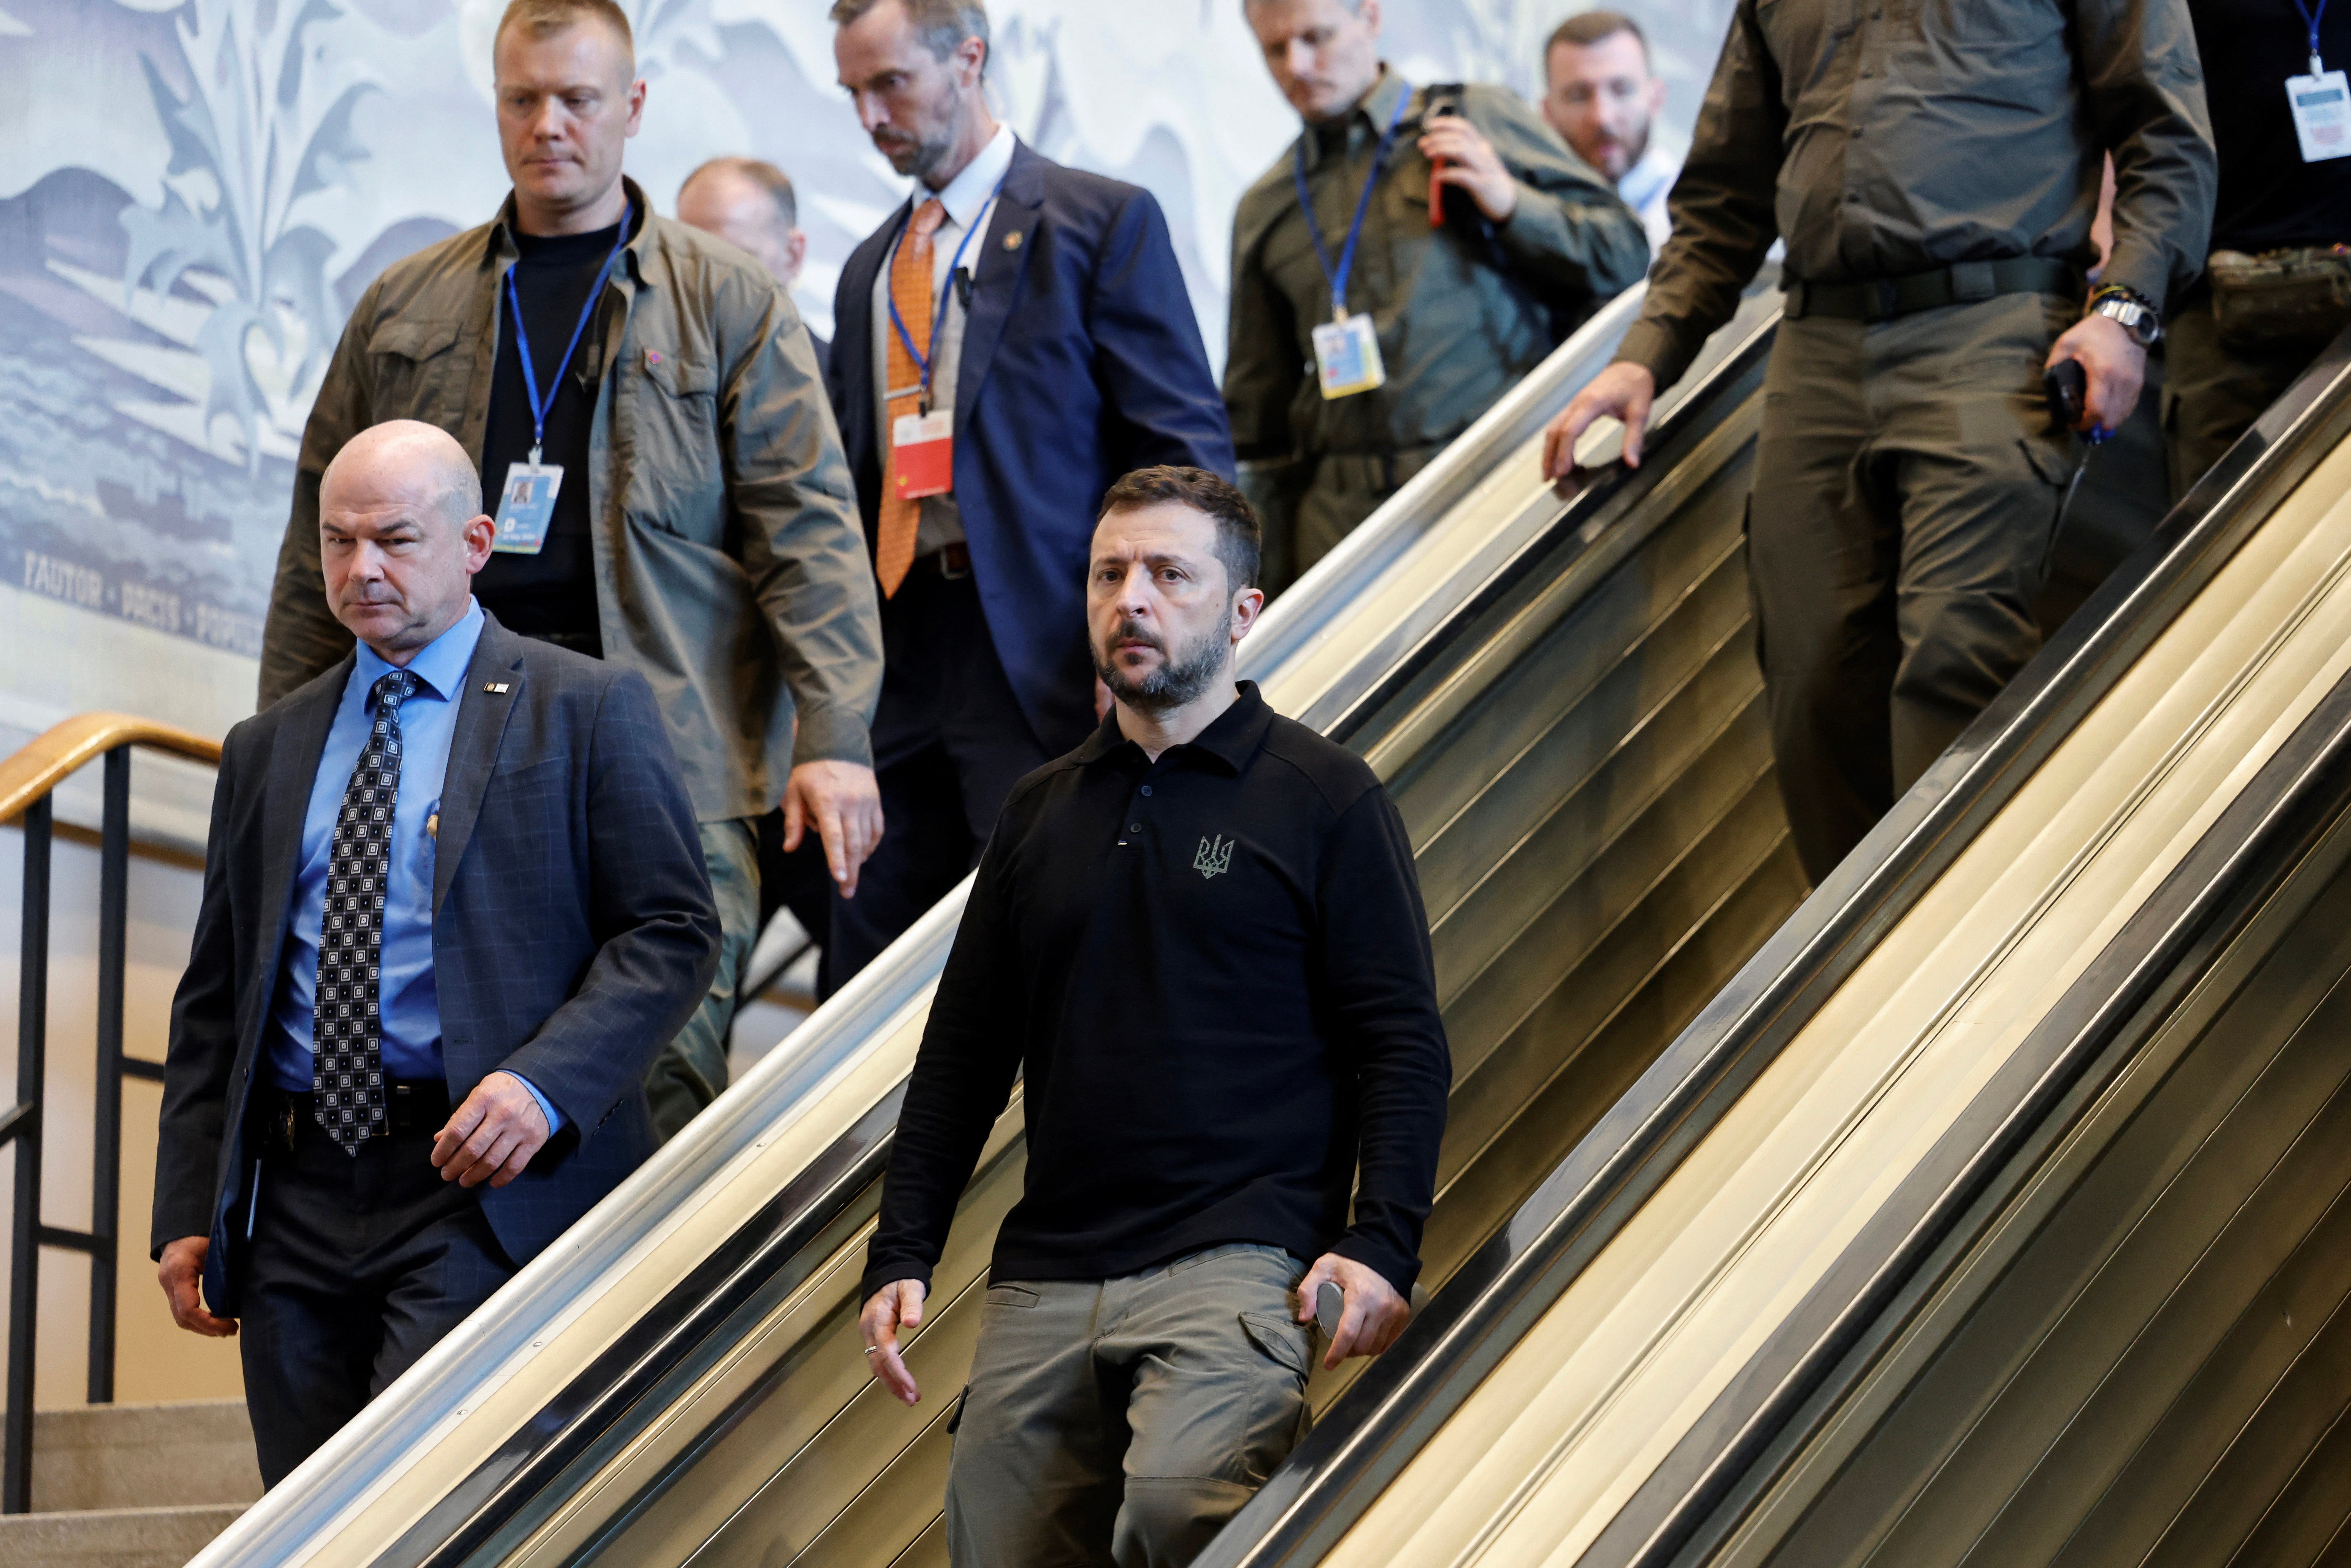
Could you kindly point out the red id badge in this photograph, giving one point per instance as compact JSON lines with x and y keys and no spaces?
{"x":922,"y":455}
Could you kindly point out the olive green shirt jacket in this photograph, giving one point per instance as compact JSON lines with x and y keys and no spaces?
{"x":1882,"y":138}
{"x":1461,"y":314}
{"x":731,"y":571}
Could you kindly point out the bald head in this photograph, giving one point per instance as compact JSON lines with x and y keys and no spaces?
{"x":750,"y":205}
{"x":401,"y":534}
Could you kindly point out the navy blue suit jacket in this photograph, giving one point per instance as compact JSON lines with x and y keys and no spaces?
{"x":573,"y":932}
{"x":1081,"y":360}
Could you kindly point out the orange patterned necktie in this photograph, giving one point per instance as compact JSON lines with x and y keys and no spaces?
{"x":910,"y":292}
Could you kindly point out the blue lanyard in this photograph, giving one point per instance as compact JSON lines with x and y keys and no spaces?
{"x":939,"y":312}
{"x":2311,"y":18}
{"x":1338,"y":275}
{"x":538,"y":404}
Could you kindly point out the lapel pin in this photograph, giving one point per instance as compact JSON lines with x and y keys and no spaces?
{"x":496,"y":689}
{"x":1013,"y":240}
{"x":653,"y":358}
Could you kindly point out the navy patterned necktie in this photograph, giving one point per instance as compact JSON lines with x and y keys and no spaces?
{"x":347,"y":1071}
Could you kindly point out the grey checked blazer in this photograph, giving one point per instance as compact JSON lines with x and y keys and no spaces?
{"x":573,"y":931}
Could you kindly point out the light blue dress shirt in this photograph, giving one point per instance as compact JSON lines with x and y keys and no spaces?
{"x":408,"y":1003}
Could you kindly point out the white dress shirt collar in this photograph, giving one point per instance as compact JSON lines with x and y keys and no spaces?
{"x":966,"y":195}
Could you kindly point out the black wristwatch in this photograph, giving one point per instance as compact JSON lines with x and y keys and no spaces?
{"x":2133,"y":313}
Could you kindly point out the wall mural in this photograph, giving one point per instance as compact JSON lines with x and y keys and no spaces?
{"x":193,"y":193}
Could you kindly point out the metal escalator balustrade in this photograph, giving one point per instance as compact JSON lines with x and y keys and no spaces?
{"x":2135,"y":1344}
{"x":1654,"y":1322}
{"x":705,"y":1278}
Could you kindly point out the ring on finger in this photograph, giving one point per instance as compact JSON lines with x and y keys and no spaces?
{"x":873,"y":1349}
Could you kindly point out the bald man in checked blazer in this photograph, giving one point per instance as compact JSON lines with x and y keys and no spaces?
{"x":453,"y":902}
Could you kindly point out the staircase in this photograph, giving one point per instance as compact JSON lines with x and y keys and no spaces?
{"x":133,"y":1486}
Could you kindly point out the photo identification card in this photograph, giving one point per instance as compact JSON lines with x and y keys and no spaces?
{"x":922,"y":455}
{"x":2322,"y":115}
{"x":1347,"y":357}
{"x":527,"y":508}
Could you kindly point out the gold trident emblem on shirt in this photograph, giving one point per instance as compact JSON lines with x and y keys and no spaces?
{"x":1216,"y":857}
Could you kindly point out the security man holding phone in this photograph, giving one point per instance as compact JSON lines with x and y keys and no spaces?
{"x":1934,"y":169}
{"x":1416,"y":252}
{"x":1198,"y":941}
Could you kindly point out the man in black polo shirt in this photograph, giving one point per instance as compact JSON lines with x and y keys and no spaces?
{"x":1199,"y":939}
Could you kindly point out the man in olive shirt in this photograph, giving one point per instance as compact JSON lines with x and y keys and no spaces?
{"x":1935,"y":171}
{"x":1531,"y":241}
{"x":702,"y":531}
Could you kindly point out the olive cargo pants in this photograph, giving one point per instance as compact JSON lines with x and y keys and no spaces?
{"x":2216,"y":390}
{"x":1907,"y":479}
{"x":1125,"y":1420}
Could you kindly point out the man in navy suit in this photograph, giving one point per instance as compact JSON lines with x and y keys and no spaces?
{"x":1015,"y":337}
{"x":459,"y":869}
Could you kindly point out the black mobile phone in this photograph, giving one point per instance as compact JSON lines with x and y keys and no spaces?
{"x":2068,"y":386}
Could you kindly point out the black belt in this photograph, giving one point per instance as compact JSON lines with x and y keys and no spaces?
{"x":1375,"y":472}
{"x":952,"y":561}
{"x":413,"y":1110}
{"x":1964,"y":283}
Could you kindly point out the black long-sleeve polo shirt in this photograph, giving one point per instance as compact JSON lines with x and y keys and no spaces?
{"x":1214,"y":973}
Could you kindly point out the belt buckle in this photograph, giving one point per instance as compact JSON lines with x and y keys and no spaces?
{"x":949,"y":555}
{"x":1889,"y":299}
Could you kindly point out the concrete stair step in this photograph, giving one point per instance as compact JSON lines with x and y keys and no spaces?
{"x":143,"y":1458}
{"x":113,"y":1537}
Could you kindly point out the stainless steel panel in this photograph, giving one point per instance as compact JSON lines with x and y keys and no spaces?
{"x":2159,"y":1367}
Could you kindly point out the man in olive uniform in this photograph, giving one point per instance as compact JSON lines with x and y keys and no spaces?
{"x":1445,"y":318}
{"x":1934,"y":169}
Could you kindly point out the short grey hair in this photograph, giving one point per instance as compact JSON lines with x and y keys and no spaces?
{"x":942,"y":23}
{"x":760,"y":172}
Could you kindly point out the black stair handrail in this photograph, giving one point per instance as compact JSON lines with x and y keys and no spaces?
{"x":28,"y":782}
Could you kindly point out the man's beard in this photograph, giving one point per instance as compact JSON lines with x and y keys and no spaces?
{"x":922,"y":155}
{"x":1634,"y":148}
{"x":1177,"y":680}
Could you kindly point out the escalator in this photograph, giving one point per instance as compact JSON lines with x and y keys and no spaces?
{"x":1999,"y":1210}
{"x":1563,"y":701}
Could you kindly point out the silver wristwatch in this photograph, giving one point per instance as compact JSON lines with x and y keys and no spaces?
{"x":2143,"y":321}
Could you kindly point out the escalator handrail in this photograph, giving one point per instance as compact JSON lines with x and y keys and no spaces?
{"x":1320,"y":604}
{"x":1789,"y":1385}
{"x":1368,"y":1435}
{"x":371,"y":1451}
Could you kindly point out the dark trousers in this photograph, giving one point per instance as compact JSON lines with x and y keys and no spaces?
{"x":949,"y":742}
{"x":2216,"y":390}
{"x":1907,"y":479}
{"x":358,"y":1265}
{"x":799,"y":882}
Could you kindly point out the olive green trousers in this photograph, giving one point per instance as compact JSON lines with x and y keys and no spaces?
{"x":1907,"y":478}
{"x":1124,"y":1421}
{"x":690,"y":1071}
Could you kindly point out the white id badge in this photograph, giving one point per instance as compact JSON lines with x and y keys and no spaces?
{"x":922,"y":455}
{"x":526,"y":507}
{"x":2322,"y":115}
{"x":1347,"y":357}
